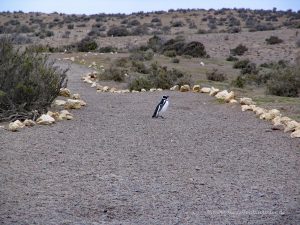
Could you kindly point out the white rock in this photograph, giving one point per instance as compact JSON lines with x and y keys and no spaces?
{"x":76,"y":96}
{"x":55,"y":115}
{"x":185,"y":88}
{"x":270,"y":115}
{"x":88,"y":80}
{"x":105,"y":89}
{"x":65,"y":92}
{"x":15,"y":126}
{"x":277,"y":121}
{"x":196,"y":88}
{"x":59,"y":102}
{"x":143,"y":90}
{"x":233,"y":101}
{"x":213,"y":91}
{"x":229,"y":97}
{"x":73,"y":104}
{"x":222,"y":94}
{"x":295,"y":134}
{"x":45,"y":120}
{"x":291,"y":126}
{"x":205,"y":90}
{"x":65,"y":114}
{"x":94,"y":84}
{"x":82,"y":103}
{"x":247,"y":101}
{"x":285,"y":120}
{"x":99,"y":87}
{"x":113,"y":90}
{"x":175,"y":88}
{"x":159,"y":89}
{"x":246,"y":108}
{"x":275,"y":112}
{"x":258,"y":111}
{"x":29,"y":123}
{"x":126,"y":91}
{"x":72,"y":59}
{"x":152,"y":89}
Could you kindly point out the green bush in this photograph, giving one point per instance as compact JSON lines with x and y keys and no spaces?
{"x":284,"y":81}
{"x":260,"y":78}
{"x":118,"y":31}
{"x":87,"y":44}
{"x":149,"y":54}
{"x":161,"y":77}
{"x":178,"y":45}
{"x":298,"y":43}
{"x":140,"y":30}
{"x":239,"y":82}
{"x":215,"y":75}
{"x":107,"y":49}
{"x":139,"y":83}
{"x":201,"y":31}
{"x":175,"y":60}
{"x":239,"y":50}
{"x":122,"y":62}
{"x":70,"y":26}
{"x":137,"y":55}
{"x":113,"y":73}
{"x":241,"y":64}
{"x":177,"y":23}
{"x":272,"y":40}
{"x":29,"y":82}
{"x":250,"y":68}
{"x":170,"y":53}
{"x":194,"y":49}
{"x":155,"y":43}
{"x":232,"y":58}
{"x":138,"y":66}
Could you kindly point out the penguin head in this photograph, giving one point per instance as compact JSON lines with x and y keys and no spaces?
{"x":165,"y":97}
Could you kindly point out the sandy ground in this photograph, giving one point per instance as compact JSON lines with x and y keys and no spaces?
{"x":205,"y":163}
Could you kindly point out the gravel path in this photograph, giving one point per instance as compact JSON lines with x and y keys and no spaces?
{"x":206,"y":163}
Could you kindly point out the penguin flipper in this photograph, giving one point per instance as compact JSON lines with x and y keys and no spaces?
{"x":155,"y":114}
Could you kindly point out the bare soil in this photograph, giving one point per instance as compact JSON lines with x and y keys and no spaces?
{"x":205,"y":163}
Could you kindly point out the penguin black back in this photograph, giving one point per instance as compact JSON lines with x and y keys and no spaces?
{"x":160,"y":106}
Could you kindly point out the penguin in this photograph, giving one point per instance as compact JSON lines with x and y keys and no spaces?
{"x":161,"y":107}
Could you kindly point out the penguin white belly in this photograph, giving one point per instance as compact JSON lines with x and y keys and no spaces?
{"x":165,"y":106}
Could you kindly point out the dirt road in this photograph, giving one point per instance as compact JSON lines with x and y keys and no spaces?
{"x":205,"y":163}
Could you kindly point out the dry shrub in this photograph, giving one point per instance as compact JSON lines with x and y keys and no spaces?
{"x":29,"y":82}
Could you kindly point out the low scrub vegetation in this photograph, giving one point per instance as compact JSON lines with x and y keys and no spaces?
{"x":216,"y":75}
{"x":239,"y":50}
{"x":177,"y":46}
{"x":284,"y":81}
{"x":159,"y":77}
{"x":87,"y":44}
{"x":278,"y":78}
{"x":29,"y":83}
{"x":272,"y":40}
{"x":241,"y":64}
{"x":113,"y":73}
